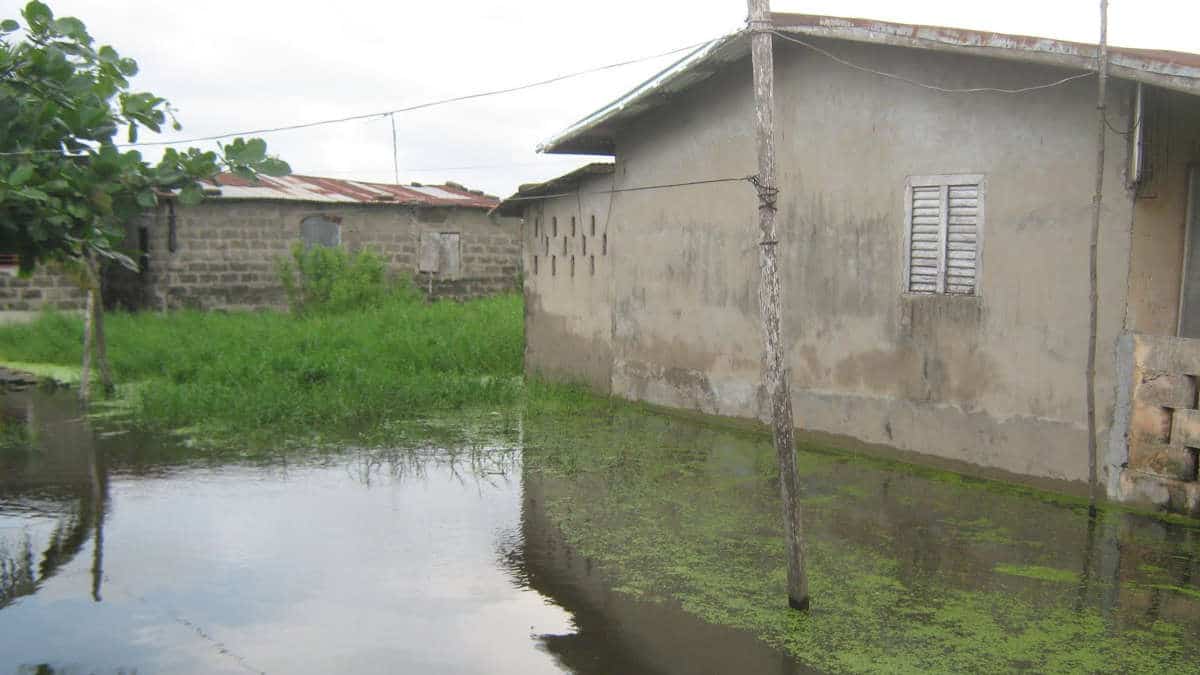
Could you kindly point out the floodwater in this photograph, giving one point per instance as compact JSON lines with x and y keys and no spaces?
{"x":508,"y":543}
{"x":120,"y":552}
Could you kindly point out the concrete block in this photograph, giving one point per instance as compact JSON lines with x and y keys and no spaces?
{"x":1149,"y":423}
{"x":1185,"y":429}
{"x":1164,"y":460}
{"x":1167,"y":354}
{"x":1167,"y":494}
{"x":1167,"y":390}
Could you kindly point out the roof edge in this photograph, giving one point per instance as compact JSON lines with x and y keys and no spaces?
{"x":514,"y":204}
{"x":1177,"y":71}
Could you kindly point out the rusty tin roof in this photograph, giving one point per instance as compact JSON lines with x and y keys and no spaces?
{"x":1179,"y":71}
{"x":514,"y":205}
{"x":333,"y":190}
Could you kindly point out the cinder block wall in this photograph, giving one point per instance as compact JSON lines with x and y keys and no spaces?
{"x":225,"y":253}
{"x":1160,"y":461}
{"x":46,"y":287}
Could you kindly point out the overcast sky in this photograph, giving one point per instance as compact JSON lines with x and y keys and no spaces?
{"x":233,"y":66}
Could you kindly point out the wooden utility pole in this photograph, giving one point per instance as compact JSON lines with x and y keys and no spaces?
{"x":768,"y":299}
{"x":1094,"y":293}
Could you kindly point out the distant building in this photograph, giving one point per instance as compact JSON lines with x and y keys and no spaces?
{"x":222,"y":253}
{"x":934,"y":248}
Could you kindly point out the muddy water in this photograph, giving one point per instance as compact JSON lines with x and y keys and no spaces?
{"x":121,"y":552}
{"x":610,"y":541}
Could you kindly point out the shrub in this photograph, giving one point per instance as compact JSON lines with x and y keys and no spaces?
{"x":330,"y":279}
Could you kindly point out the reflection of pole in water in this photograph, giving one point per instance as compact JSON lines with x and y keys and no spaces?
{"x":99,"y":498}
{"x":1101,"y":564}
{"x":1085,"y":577}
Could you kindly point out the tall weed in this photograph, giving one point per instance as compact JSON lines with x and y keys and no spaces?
{"x":331,"y":279}
{"x":267,"y":374}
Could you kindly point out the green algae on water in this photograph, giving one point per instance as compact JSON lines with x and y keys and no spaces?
{"x":1039,"y":572}
{"x":908,"y":574}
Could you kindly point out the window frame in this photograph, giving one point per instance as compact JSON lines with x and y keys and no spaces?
{"x":944,"y":182}
{"x":333,"y":219}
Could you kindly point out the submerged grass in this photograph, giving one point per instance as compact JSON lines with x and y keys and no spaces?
{"x":902,"y":581}
{"x":266,"y":375}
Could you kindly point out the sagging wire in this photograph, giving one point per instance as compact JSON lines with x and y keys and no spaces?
{"x":662,"y":186}
{"x":364,"y":116}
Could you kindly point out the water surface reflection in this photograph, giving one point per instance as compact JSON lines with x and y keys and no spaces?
{"x":120,"y":552}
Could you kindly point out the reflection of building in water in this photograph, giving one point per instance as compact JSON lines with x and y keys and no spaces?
{"x":614,"y":632}
{"x":63,"y":478}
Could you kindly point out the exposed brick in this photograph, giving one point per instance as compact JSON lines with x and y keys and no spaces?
{"x":1166,"y":390}
{"x":1149,"y":423}
{"x":1185,"y":428}
{"x":1163,"y":460}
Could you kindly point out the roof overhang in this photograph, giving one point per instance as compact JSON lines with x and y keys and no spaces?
{"x":566,"y":183}
{"x":595,"y":134}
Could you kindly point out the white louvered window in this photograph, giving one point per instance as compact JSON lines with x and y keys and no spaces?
{"x":943,"y":234}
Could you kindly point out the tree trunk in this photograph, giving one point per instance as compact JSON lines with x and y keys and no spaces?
{"x":98,"y":338}
{"x":769,"y":302}
{"x":85,"y":368}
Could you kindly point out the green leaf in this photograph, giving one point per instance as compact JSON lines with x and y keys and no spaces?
{"x":8,"y":26}
{"x":147,"y":199}
{"x":32,"y":194}
{"x":103,"y":201}
{"x":191,"y":195}
{"x":273,"y":166}
{"x":70,"y":26}
{"x":21,"y":174}
{"x":37,"y":14}
{"x":108,"y":55}
{"x":256,"y":150}
{"x":78,"y":210}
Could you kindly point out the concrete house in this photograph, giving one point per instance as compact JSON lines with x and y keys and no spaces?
{"x":221,"y":254}
{"x":934,"y":249}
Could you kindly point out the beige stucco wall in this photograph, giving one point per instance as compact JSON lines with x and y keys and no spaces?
{"x":568,"y":317}
{"x":996,"y":380}
{"x":1156,"y":267}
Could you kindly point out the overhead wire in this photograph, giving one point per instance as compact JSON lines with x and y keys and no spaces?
{"x":660,"y":186}
{"x":426,"y":104}
{"x":385,"y":113}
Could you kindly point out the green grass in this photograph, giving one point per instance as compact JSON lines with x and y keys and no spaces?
{"x":266,"y":375}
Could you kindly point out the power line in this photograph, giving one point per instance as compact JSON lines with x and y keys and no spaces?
{"x":661,"y":186}
{"x":418,"y":106}
{"x":421,"y":106}
{"x":944,"y":90}
{"x":429,"y":169}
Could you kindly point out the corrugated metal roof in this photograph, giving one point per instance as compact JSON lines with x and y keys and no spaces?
{"x":333,"y":190}
{"x":593,"y":134}
{"x":514,"y":205}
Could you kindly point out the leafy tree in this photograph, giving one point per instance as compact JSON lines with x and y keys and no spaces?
{"x":67,"y":187}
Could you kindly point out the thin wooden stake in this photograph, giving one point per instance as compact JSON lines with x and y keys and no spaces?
{"x":1093,"y":290}
{"x":769,"y":302}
